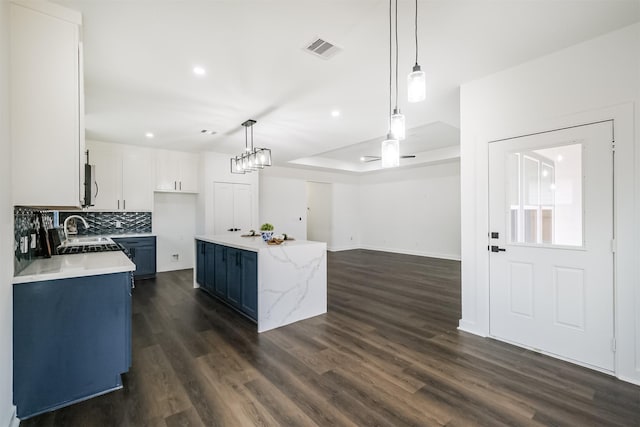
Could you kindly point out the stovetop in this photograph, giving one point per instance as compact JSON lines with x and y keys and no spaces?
{"x":83,"y":249}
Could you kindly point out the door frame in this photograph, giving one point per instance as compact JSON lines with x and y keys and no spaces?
{"x":475,"y":306}
{"x":614,"y":233}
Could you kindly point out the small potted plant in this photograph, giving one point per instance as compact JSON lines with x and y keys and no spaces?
{"x":266,"y":230}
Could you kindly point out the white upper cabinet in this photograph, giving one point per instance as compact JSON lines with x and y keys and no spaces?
{"x":176,"y":171}
{"x":123,"y":177}
{"x":47,"y":131}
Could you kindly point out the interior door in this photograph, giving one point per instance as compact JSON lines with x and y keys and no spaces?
{"x":223,"y":208}
{"x":242,"y":207}
{"x":232,"y":208}
{"x":319,"y":208}
{"x":551,"y":260}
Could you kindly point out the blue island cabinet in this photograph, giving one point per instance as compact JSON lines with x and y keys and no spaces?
{"x":71,"y":340}
{"x":230,"y":274}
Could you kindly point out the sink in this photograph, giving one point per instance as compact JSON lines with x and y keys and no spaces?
{"x":83,"y":241}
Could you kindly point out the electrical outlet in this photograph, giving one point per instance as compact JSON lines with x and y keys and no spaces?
{"x":118,"y":224}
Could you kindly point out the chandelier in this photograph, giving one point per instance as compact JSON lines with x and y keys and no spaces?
{"x":252,"y":159}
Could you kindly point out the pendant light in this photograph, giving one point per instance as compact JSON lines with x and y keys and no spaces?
{"x":397,"y":124}
{"x":252,"y":158}
{"x":390,"y":149}
{"x":416,"y":80}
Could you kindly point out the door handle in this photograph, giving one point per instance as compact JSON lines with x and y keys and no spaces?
{"x":497,"y":249}
{"x":180,"y":185}
{"x":124,"y":204}
{"x":230,"y":229}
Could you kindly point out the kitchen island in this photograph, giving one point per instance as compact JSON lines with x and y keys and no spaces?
{"x":273,"y":285}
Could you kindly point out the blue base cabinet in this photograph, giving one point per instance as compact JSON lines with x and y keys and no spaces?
{"x":230,"y":274}
{"x":143,"y":254}
{"x":71,"y":340}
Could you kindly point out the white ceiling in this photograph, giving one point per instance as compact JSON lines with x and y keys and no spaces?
{"x":139,"y":56}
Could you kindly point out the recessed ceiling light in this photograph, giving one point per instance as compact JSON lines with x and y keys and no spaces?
{"x":148,"y":135}
{"x":362,"y":159}
{"x":335,"y":113}
{"x":199,"y":71}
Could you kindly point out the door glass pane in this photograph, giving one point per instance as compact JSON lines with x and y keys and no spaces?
{"x":531,"y":180}
{"x":544,"y":191}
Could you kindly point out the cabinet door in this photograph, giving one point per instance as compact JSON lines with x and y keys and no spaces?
{"x":234,"y":276}
{"x":188,"y":181}
{"x":107,"y":185}
{"x":201,"y":263}
{"x":220,"y":271}
{"x":137,"y":187}
{"x":45,"y":119}
{"x":167,"y":170}
{"x":143,"y":254}
{"x":210,"y":267}
{"x":249,"y":302}
{"x":145,"y":260}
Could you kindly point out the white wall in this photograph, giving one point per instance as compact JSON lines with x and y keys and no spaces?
{"x":591,"y":81}
{"x":282,"y":206}
{"x":6,"y":231}
{"x":174,"y":223}
{"x":423,"y":204}
{"x":292,"y":183}
{"x":415,"y":211}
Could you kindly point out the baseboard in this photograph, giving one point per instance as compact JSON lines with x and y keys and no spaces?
{"x":342,"y":248}
{"x":411,"y":252}
{"x":469,"y":327}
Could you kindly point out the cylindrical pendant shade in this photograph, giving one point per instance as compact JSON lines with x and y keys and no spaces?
{"x":390,"y":152}
{"x":397,"y":126}
{"x":416,"y":85}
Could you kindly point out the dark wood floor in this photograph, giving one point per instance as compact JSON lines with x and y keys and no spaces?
{"x":387,"y":354}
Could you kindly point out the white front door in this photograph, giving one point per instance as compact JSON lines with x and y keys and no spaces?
{"x":551,"y":242}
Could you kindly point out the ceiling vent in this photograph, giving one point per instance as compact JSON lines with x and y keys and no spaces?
{"x":322,"y":48}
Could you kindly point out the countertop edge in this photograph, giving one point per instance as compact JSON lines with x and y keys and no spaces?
{"x":263,"y":246}
{"x":125,"y":265}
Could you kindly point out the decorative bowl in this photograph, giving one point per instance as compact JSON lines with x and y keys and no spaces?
{"x":266,"y":235}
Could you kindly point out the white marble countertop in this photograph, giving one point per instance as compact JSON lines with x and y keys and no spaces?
{"x":76,"y":265}
{"x":255,"y":244}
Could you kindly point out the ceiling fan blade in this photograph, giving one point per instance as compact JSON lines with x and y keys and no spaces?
{"x":368,"y":159}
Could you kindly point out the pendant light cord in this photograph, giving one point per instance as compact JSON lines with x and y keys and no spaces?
{"x":396,"y":54}
{"x":416,"y":31}
{"x":390,"y":61}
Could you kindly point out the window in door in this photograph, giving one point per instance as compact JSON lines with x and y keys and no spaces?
{"x":544,"y":190}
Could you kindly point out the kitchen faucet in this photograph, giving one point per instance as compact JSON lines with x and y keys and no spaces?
{"x":64,"y":227}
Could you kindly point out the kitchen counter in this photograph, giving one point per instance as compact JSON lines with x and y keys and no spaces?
{"x":291,"y":277}
{"x":76,"y":265}
{"x":255,"y":243}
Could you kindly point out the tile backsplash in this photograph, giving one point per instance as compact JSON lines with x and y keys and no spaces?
{"x":26,"y":242}
{"x":106,"y":222}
